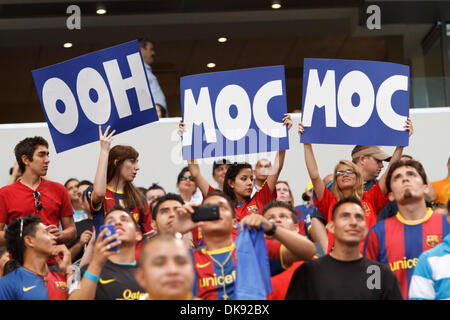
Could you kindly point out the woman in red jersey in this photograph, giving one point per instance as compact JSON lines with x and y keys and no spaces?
{"x":238,"y":182}
{"x":348,"y":181}
{"x":113,"y":184}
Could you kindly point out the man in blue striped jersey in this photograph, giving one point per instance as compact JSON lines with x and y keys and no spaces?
{"x":431,"y":278}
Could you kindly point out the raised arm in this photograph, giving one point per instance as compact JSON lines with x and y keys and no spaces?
{"x":279,"y":159}
{"x":99,"y":187}
{"x":395,"y":157}
{"x":194,"y":168}
{"x":88,"y":283}
{"x":201,"y":182}
{"x":311,"y":166}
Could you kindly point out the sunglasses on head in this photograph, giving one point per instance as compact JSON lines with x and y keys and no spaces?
{"x":37,"y":203}
{"x":184,"y":178}
{"x":341,"y":173}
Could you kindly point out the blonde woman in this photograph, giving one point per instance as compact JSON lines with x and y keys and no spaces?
{"x":348,"y":182}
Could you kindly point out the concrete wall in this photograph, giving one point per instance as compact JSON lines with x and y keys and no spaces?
{"x":160,"y":152}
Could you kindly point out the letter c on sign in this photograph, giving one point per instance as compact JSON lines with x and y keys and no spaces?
{"x":53,"y":90}
{"x":262,"y":118}
{"x":384,"y":96}
{"x":228,"y":96}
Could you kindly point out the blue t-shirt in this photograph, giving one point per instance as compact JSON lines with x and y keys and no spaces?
{"x":22,"y":284}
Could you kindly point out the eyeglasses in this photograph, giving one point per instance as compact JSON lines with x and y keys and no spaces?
{"x":184,"y":178}
{"x":21,"y":227}
{"x":37,"y":203}
{"x":341,"y":173}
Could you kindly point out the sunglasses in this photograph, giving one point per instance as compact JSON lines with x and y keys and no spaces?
{"x":37,"y":203}
{"x":341,"y":173}
{"x":184,"y":178}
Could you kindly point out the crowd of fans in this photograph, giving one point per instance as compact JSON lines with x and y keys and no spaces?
{"x":352,"y":234}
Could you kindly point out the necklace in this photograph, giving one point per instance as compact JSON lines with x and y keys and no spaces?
{"x":43,"y":277}
{"x":222,"y":271}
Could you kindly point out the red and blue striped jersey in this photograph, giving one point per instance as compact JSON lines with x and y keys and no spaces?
{"x":304,"y":214}
{"x":398,"y":243}
{"x":212,"y":284}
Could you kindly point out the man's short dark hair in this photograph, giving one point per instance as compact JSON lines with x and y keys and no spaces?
{"x":408,"y":163}
{"x":143,"y":42}
{"x":167,"y":236}
{"x":15,"y":234}
{"x":281,"y":204}
{"x":69,"y":180}
{"x":27,"y":147}
{"x":350,"y":199}
{"x":223,"y":195}
{"x":155,"y":186}
{"x":84,"y":183}
{"x":161,"y":200}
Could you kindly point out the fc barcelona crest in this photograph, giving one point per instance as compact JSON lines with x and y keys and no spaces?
{"x":253,"y":209}
{"x":432,"y":240}
{"x":61,"y":286}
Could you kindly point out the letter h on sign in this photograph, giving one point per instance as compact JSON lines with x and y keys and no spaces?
{"x":355,"y":102}
{"x":106,"y":87}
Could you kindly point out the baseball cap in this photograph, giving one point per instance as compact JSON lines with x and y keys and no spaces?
{"x":373,"y":151}
{"x":218,"y":163}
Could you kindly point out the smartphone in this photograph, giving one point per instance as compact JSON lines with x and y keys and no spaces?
{"x":206,"y":213}
{"x":109,"y":232}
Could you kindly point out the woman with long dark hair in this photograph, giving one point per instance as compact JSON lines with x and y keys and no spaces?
{"x":113,"y":184}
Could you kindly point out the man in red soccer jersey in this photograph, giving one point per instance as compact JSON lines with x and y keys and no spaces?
{"x":215,"y":263}
{"x":33,"y":195}
{"x":399,"y":240}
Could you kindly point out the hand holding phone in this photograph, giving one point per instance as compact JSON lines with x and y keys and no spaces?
{"x":206,"y":212}
{"x":110,"y":230}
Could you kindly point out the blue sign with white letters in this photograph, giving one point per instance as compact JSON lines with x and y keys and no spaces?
{"x":234,"y":112}
{"x":106,"y":87}
{"x":355,"y":102}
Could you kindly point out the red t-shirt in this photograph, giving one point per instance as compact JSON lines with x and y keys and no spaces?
{"x":57,"y":286}
{"x":281,"y":281}
{"x":373,"y":201}
{"x":17,"y":200}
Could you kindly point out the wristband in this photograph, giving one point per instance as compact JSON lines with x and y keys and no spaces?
{"x":91,"y":276}
{"x":271,"y":232}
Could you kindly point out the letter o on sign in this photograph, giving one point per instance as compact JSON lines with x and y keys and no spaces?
{"x":99,"y":111}
{"x":53,"y":90}
{"x":355,"y":116}
{"x":228,"y":96}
